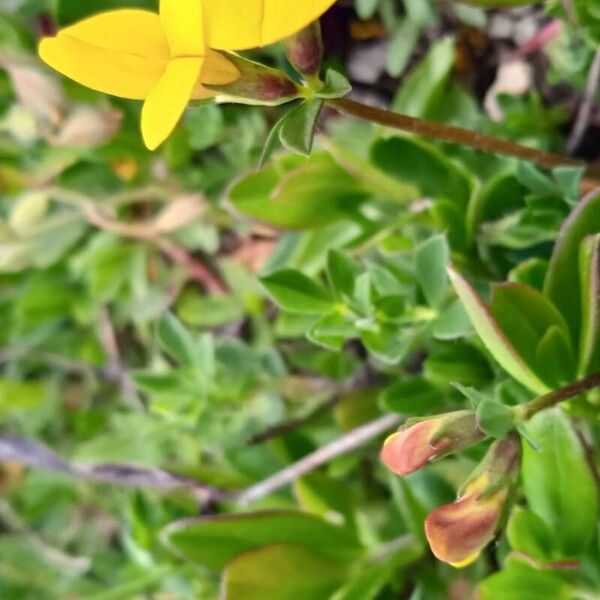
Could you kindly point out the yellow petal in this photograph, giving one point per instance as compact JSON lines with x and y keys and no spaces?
{"x":167,"y":101}
{"x":108,"y":71}
{"x":242,"y":24}
{"x":132,"y":31}
{"x":217,"y":70}
{"x":467,"y":561}
{"x":182,"y":21}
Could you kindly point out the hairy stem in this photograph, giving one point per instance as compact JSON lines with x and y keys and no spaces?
{"x":560,"y":395}
{"x":457,"y":135}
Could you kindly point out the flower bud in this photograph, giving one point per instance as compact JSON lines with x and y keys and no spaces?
{"x":304,"y":50}
{"x":458,"y":532}
{"x":257,"y":84}
{"x":419,"y":442}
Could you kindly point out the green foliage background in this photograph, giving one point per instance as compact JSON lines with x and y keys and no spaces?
{"x":327,"y":305}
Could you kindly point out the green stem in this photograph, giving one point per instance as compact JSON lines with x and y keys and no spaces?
{"x":456,"y":135}
{"x":557,"y":396}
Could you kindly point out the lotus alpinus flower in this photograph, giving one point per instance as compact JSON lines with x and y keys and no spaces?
{"x":422,"y":441}
{"x":168,"y":59}
{"x":458,"y":532}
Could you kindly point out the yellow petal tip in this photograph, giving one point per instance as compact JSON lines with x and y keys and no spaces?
{"x":465,"y":563}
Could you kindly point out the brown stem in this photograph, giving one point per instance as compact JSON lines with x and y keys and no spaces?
{"x":456,"y":135}
{"x":196,"y":269}
{"x":560,"y":395}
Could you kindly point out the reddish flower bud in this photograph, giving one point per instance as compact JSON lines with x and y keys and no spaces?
{"x":257,"y":84}
{"x":419,"y":442}
{"x":304,"y":50}
{"x":458,"y":532}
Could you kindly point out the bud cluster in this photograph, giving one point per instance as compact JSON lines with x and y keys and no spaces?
{"x":457,"y":532}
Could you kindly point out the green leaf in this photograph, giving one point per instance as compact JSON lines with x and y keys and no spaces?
{"x":336,"y":85}
{"x":332,"y":331}
{"x":519,"y":581}
{"x":554,"y":357}
{"x":558,"y":484}
{"x":296,"y":193}
{"x":494,"y":418}
{"x":282,"y":572}
{"x":458,"y":362}
{"x":426,"y":84}
{"x":431,"y":260}
{"x":563,"y":281}
{"x":535,"y":329}
{"x":402,"y":45}
{"x":413,"y":396}
{"x":493,"y":337}
{"x":297,"y":293}
{"x":342,"y":272}
{"x":321,"y":495}
{"x":214,"y":541}
{"x":297,"y":132}
{"x":589,"y":265}
{"x":208,"y":311}
{"x":21,"y":395}
{"x":475,"y":397}
{"x":452,"y":323}
{"x":272,"y":142}
{"x":497,"y":198}
{"x":529,"y":534}
{"x":177,"y":341}
{"x":413,"y":161}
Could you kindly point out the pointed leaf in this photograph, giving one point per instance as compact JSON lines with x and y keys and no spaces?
{"x":492,"y":335}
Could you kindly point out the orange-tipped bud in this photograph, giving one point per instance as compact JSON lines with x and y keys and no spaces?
{"x":305,"y":50}
{"x":419,"y":442}
{"x":458,"y":532}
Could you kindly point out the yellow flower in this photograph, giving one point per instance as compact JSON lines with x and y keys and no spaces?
{"x":164,"y":59}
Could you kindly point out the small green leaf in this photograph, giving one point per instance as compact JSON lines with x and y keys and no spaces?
{"x":177,"y":341}
{"x":297,"y":132}
{"x":332,"y":331}
{"x":297,"y":293}
{"x":475,"y":397}
{"x":336,"y":86}
{"x":555,"y":360}
{"x":273,"y":142}
{"x":494,"y":418}
{"x":342,"y":272}
{"x":431,"y":260}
